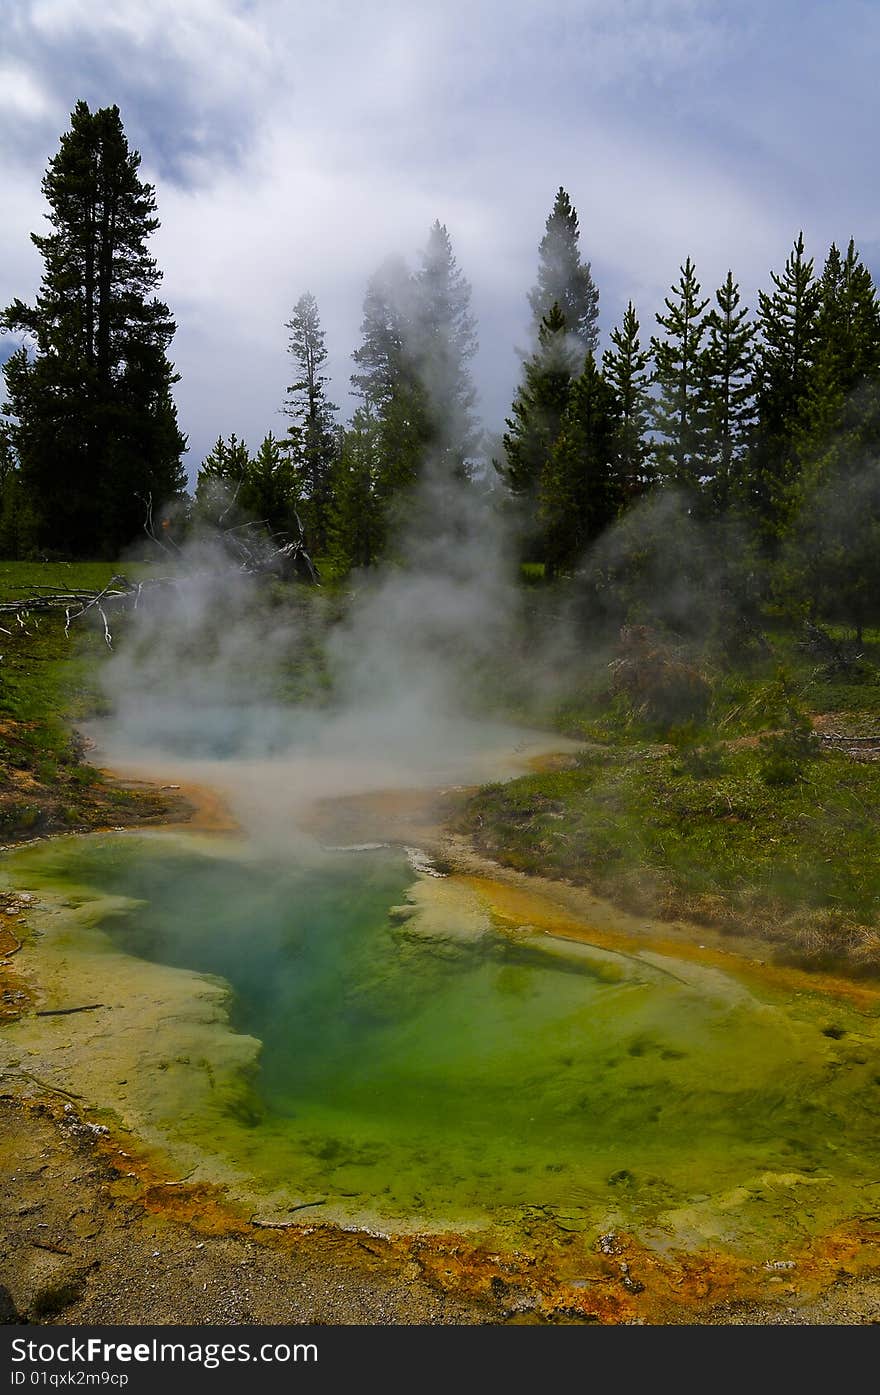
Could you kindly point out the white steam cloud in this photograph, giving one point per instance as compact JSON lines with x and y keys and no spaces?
{"x":281,"y":696}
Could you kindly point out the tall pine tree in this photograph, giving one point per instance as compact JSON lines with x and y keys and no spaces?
{"x":387,"y":381}
{"x":381,"y":358}
{"x":358,"y":513}
{"x":679,"y":408}
{"x":625,"y":369}
{"x":580,"y":492}
{"x":840,"y":417}
{"x":311,"y":438}
{"x":443,"y":340}
{"x":728,"y":373}
{"x":537,"y":411}
{"x":94,"y":427}
{"x":563,"y":279}
{"x":789,"y":330}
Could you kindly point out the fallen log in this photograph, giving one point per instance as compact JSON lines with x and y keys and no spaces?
{"x":65,"y":1012}
{"x":254,"y":549}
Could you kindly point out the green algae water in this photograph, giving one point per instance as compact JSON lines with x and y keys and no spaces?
{"x":355,"y":1062}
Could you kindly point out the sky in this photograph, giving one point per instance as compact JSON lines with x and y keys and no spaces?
{"x":294,"y":146}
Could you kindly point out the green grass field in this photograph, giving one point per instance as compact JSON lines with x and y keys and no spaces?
{"x":743,"y":818}
{"x":656,"y":833}
{"x":49,"y":680}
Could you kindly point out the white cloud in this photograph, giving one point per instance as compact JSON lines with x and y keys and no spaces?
{"x":22,"y":94}
{"x":294,"y":145}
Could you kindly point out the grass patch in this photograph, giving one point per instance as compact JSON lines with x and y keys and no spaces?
{"x":21,"y":579}
{"x":47,"y":681}
{"x":723,"y":841}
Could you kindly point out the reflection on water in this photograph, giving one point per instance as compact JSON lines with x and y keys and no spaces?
{"x":413,"y":1073}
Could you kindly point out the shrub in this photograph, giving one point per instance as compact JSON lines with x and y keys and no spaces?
{"x":661,"y":684}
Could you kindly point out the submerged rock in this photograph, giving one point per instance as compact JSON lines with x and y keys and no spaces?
{"x":420,"y":862}
{"x":399,"y":913}
{"x":442,"y":909}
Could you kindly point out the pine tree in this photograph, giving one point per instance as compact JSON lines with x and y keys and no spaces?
{"x":94,"y":426}
{"x":624,"y":368}
{"x":17,"y":522}
{"x":840,"y":419}
{"x":382,"y":358}
{"x":220,"y":481}
{"x":537,"y":412}
{"x":563,"y":279}
{"x":580,"y":492}
{"x":859,"y":361}
{"x":788,"y":327}
{"x":443,"y":340}
{"x":728,"y":385}
{"x":833,"y":549}
{"x":679,"y":409}
{"x":358,"y":510}
{"x":311,"y":438}
{"x":268,"y":492}
{"x":387,"y":382}
{"x":848,"y":322}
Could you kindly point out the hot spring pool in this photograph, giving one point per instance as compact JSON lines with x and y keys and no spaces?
{"x":280,"y":1027}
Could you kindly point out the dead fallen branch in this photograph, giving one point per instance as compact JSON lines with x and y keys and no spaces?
{"x":286,"y":1225}
{"x":74,"y":604}
{"x":179,"y":1182}
{"x":65,"y":1012}
{"x":834,"y":738}
{"x":251,"y":548}
{"x":44,"y":1085}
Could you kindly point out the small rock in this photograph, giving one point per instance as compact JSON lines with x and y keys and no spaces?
{"x":622,"y":1178}
{"x":629,"y":1283}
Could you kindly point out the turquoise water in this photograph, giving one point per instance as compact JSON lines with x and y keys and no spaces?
{"x":450,"y":1079}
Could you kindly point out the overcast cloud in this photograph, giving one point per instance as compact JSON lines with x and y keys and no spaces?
{"x":294,"y":146}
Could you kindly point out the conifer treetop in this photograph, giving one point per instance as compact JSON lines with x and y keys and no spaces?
{"x":563,"y":278}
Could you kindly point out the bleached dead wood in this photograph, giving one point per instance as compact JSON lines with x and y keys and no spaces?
{"x":251,"y":547}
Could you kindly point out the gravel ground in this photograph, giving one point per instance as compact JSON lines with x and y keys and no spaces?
{"x":76,"y":1247}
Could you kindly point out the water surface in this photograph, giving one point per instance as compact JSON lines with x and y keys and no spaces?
{"x":434,"y":1071}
